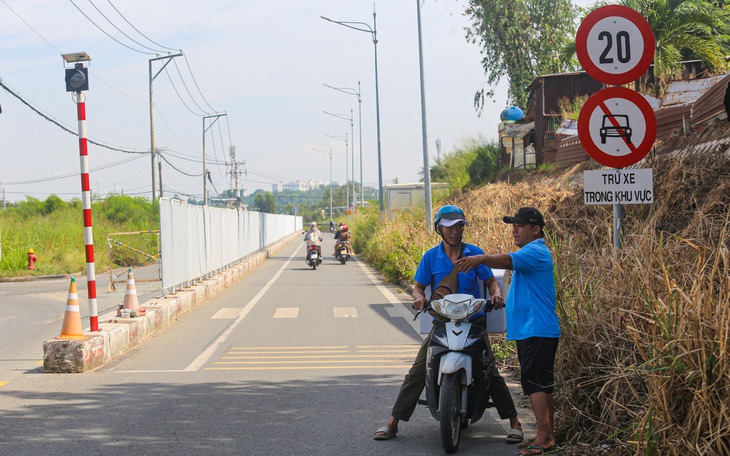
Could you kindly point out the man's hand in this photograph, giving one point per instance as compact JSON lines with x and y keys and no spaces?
{"x":466,"y":264}
{"x":497,"y":301}
{"x":419,"y":302}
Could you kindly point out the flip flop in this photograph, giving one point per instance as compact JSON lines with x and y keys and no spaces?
{"x":387,"y":433}
{"x":515,"y":436}
{"x":529,"y":451}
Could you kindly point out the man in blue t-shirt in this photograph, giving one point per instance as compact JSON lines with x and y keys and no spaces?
{"x":436,"y":264}
{"x":531,"y":317}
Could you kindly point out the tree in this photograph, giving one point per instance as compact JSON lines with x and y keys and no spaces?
{"x":684,"y":30}
{"x":265,"y":202}
{"x":520,"y":40}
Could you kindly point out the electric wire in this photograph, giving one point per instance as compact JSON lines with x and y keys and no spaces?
{"x":136,"y":29}
{"x":187,"y":89}
{"x":74,"y":174}
{"x":180,"y":97}
{"x":105,"y":32}
{"x":63,"y":127}
{"x":121,"y":31}
{"x":196,"y":82}
{"x":30,"y":27}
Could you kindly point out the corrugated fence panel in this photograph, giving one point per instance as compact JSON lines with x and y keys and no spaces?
{"x":198,"y":241}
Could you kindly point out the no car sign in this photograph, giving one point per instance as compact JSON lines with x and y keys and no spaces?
{"x":617,"y":127}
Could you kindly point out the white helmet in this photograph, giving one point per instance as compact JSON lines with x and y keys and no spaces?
{"x":313,"y":224}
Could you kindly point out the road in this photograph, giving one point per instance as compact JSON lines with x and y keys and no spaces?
{"x":289,"y":361}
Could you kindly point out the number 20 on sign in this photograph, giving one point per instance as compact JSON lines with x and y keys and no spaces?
{"x":615,"y":44}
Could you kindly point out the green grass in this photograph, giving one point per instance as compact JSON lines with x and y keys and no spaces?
{"x":55,"y":230}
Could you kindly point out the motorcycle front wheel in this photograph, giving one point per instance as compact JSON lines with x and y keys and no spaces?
{"x":449,"y":410}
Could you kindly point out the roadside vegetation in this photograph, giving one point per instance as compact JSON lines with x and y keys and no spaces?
{"x":644,"y":360}
{"x":55,"y":230}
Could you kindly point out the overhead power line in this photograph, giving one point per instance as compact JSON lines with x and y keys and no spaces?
{"x":63,"y":127}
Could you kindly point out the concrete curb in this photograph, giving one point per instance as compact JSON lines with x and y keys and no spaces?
{"x":118,"y":335}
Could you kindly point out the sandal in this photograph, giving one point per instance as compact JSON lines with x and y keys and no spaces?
{"x":515,"y":436}
{"x":385,"y":433}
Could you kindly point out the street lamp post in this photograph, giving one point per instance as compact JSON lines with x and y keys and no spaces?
{"x":352,"y":152}
{"x":330,"y":154}
{"x":426,"y":168}
{"x":359,"y":120}
{"x":373,"y":31}
{"x":347,"y":194}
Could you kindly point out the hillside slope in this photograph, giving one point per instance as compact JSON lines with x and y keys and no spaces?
{"x":644,"y":361}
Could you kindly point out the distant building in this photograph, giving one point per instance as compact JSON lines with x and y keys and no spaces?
{"x":405,"y":197}
{"x":299,"y":185}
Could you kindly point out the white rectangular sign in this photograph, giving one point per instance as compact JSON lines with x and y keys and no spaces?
{"x":618,"y":186}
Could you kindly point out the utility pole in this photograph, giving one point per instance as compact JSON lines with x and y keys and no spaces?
{"x":236,"y":171}
{"x":153,"y":149}
{"x":215,"y":118}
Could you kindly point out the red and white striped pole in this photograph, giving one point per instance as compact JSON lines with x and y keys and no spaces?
{"x":86,"y":201}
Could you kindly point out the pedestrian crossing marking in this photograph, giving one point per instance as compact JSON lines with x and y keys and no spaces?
{"x":397,"y":357}
{"x":286,"y":312}
{"x":344,"y":312}
{"x":226,"y":314}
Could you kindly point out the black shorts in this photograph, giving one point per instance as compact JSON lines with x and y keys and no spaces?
{"x":537,"y":364}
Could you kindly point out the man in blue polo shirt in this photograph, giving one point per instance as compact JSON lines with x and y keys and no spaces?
{"x":435,"y":265}
{"x":531,"y":317}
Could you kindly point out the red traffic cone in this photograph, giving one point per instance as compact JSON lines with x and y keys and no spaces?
{"x":131,"y":302}
{"x":71,"y":328}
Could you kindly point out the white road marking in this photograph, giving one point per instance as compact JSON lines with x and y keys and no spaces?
{"x":210,"y":350}
{"x":286,"y":312}
{"x":398,"y":309}
{"x":344,"y":312}
{"x":228,"y":313}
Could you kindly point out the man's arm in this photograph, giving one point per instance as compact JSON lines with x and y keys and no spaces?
{"x":495,"y":292}
{"x":496,"y":261}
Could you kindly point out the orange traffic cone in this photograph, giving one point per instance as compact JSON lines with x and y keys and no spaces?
{"x":71,"y":328}
{"x":130,"y":296}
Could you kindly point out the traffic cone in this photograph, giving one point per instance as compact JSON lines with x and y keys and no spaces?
{"x":71,"y":328}
{"x":131,"y":302}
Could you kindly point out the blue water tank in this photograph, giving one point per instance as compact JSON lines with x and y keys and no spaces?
{"x":512,"y":113}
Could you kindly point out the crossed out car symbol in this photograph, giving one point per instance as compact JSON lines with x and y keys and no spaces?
{"x":615,"y":126}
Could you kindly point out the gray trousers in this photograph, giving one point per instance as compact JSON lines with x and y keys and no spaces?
{"x":415,"y":382}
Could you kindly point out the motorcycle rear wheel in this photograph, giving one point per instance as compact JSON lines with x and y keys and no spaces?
{"x":449,"y":411}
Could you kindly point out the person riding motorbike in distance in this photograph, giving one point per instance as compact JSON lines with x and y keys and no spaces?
{"x":343,"y":237}
{"x":314,"y":237}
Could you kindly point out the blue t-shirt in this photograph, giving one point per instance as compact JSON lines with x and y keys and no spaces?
{"x":530,"y":304}
{"x":436,"y":264}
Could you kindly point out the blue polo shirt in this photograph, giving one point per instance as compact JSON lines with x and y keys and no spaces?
{"x":436,"y":264}
{"x":530,"y":303}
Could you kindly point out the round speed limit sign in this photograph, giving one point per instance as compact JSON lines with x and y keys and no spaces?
{"x":615,"y":45}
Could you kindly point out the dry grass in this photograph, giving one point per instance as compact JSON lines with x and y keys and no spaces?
{"x":644,"y":362}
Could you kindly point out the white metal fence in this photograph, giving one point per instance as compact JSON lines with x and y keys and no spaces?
{"x":199,"y":241}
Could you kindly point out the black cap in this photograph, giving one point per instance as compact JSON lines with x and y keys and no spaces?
{"x":526,"y":216}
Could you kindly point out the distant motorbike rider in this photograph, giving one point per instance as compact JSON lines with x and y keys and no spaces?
{"x":332,"y":226}
{"x":314,"y":237}
{"x":339,"y":230}
{"x":343,"y":237}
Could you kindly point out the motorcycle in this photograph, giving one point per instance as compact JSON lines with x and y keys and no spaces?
{"x":342,"y":252}
{"x":314,"y":256}
{"x":456,"y":381}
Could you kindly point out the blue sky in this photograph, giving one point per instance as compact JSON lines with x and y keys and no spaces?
{"x":263,"y":63}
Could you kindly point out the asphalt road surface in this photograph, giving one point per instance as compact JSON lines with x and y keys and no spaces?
{"x":289,"y":361}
